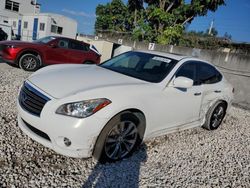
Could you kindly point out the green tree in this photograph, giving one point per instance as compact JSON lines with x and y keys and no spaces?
{"x":163,"y":21}
{"x":112,"y":16}
{"x":134,"y":6}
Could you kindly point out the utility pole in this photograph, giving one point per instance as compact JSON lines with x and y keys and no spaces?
{"x":211,"y":27}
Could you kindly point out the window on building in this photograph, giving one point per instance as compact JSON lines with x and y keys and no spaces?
{"x":11,"y":5}
{"x":53,"y":28}
{"x":25,"y":25}
{"x":56,"y":29}
{"x":42,"y":27}
{"x":14,"y":24}
{"x":59,"y":30}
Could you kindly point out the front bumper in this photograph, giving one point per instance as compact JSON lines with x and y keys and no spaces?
{"x":81,"y":132}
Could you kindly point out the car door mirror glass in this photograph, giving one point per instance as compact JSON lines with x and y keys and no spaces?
{"x":183,"y":82}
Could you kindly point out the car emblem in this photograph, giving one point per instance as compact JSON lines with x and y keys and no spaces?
{"x":24,"y":97}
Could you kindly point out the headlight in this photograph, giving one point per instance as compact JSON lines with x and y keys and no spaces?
{"x":83,"y":109}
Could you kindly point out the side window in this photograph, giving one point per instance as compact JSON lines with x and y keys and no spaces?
{"x":207,"y":74}
{"x":187,"y":70}
{"x":63,"y":43}
{"x":79,"y":46}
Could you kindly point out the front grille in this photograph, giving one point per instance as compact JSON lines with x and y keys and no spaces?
{"x":36,"y":131}
{"x":32,"y":100}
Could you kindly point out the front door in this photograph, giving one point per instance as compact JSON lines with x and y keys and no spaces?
{"x":58,"y":52}
{"x":176,"y":106}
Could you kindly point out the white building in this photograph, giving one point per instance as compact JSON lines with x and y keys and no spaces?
{"x":23,"y":17}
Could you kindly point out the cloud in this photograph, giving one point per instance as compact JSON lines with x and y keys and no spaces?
{"x":78,"y":13}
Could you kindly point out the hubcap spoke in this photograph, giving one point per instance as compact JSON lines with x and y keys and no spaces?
{"x":116,"y":150}
{"x":29,"y":63}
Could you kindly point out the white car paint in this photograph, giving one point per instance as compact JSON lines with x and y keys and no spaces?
{"x":166,"y":108}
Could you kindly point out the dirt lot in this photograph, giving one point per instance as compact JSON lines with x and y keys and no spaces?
{"x":191,"y":158}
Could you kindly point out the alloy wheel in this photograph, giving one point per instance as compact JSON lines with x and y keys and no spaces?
{"x":29,"y":63}
{"x":217,"y":116}
{"x":121,"y":140}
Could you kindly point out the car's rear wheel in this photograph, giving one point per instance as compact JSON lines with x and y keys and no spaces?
{"x":119,"y":138}
{"x":29,"y":62}
{"x":215,"y":116}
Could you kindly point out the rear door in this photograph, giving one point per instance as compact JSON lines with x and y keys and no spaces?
{"x":210,"y":79}
{"x":79,"y":52}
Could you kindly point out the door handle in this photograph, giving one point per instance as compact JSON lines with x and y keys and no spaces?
{"x":197,"y":94}
{"x":217,"y":91}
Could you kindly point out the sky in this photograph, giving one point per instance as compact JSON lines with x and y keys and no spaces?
{"x":234,"y":18}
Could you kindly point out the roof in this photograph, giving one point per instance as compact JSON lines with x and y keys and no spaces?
{"x":165,"y":54}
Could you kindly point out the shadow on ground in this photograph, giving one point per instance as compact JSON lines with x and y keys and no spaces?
{"x":124,"y":173}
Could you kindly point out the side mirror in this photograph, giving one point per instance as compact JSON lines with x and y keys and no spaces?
{"x":183,"y":82}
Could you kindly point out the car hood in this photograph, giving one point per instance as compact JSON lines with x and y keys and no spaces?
{"x":60,"y":81}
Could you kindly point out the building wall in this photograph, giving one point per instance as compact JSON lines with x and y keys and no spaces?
{"x":69,"y":26}
{"x":27,"y":13}
{"x":25,"y":7}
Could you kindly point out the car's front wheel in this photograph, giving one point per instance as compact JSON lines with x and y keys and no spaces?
{"x":118,"y":139}
{"x":215,"y":116}
{"x":29,"y":62}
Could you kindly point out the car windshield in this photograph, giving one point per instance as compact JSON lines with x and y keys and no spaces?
{"x":140,"y":65}
{"x":45,"y":40}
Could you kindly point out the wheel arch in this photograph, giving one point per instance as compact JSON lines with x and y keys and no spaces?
{"x":29,"y":51}
{"x":207,"y":108}
{"x":142,"y":127}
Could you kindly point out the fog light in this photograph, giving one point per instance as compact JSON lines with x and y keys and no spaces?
{"x":67,"y":142}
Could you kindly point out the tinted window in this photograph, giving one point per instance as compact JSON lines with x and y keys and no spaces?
{"x":187,"y":70}
{"x":63,"y":43}
{"x":78,"y":46}
{"x":144,"y":66}
{"x":207,"y":74}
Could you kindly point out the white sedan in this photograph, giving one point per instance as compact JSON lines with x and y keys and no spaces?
{"x":107,"y":110}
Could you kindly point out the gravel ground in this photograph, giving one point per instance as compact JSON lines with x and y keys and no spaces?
{"x":191,"y":158}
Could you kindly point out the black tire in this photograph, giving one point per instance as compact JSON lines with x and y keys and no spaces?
{"x":215,"y":116}
{"x":103,"y":147}
{"x":29,"y":62}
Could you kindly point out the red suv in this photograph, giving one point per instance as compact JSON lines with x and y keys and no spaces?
{"x":46,"y":51}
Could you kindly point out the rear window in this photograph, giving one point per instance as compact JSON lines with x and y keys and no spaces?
{"x":79,"y":46}
{"x":207,"y":74}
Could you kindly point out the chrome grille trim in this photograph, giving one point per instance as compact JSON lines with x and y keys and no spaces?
{"x":32,"y":100}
